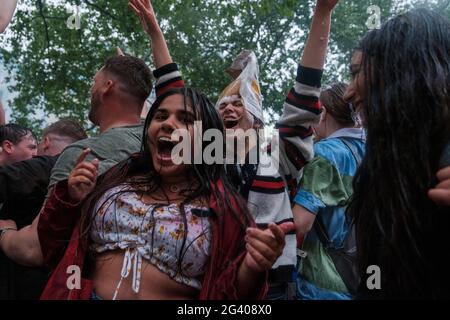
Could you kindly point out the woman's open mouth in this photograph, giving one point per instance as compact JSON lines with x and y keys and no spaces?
{"x":230,"y":123}
{"x":165,"y":146}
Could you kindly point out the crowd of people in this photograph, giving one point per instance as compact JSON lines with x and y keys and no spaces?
{"x":362,"y":178}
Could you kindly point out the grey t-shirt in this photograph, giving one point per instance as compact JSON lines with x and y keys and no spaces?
{"x":111,"y":147}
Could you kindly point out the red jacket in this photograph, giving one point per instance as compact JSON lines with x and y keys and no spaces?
{"x":59,"y":218}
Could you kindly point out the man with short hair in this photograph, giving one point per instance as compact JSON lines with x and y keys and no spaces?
{"x":23,"y":187}
{"x":57,"y":136}
{"x":23,"y":184}
{"x":17,"y":143}
{"x":118,"y":93}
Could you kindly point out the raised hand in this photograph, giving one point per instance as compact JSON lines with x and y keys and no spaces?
{"x":316,"y":46}
{"x":264,"y":247}
{"x":83,"y":177}
{"x":326,"y":5}
{"x":144,"y":10}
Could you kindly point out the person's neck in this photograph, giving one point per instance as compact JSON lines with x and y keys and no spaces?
{"x":117,"y":112}
{"x":174,"y":188}
{"x":119,"y":121}
{"x":332,"y":126}
{"x":329,"y":134}
{"x":181,"y":181}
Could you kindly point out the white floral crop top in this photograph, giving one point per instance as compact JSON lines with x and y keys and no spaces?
{"x":153,"y":232}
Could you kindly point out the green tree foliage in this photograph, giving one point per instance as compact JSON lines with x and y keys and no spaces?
{"x":51,"y":66}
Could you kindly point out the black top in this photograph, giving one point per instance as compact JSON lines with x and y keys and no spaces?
{"x":241,"y":176}
{"x":23,"y":188}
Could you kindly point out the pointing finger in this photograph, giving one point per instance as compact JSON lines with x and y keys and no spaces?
{"x":83,"y":155}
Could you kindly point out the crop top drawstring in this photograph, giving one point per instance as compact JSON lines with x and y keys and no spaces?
{"x":131,"y":260}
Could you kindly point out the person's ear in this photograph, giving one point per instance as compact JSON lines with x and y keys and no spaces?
{"x":47,"y":143}
{"x":8,"y":146}
{"x":108,"y":87}
{"x":323,"y":115}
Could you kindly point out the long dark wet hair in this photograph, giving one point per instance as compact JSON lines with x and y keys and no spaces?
{"x":138,"y":171}
{"x":406,"y":110}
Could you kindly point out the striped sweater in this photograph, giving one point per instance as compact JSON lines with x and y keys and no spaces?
{"x":269,"y":196}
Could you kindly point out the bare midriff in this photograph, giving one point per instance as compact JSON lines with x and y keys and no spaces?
{"x":155,"y":285}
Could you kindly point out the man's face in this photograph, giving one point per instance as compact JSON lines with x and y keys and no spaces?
{"x":41,"y":147}
{"x":44,"y":146}
{"x":24,"y":150}
{"x":234,"y":114}
{"x":96,"y":97}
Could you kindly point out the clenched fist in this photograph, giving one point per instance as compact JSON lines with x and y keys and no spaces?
{"x":264,"y":247}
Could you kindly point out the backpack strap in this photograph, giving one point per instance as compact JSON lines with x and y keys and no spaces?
{"x":353,"y":150}
{"x":322,"y":233}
